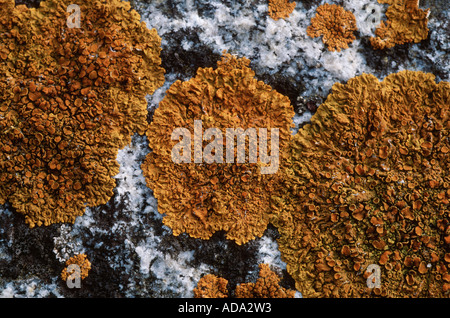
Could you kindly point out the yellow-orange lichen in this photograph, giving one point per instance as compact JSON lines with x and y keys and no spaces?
{"x":81,"y":271}
{"x":335,"y":24}
{"x":266,"y":286}
{"x":369,"y":156}
{"x":203,"y":197}
{"x":406,"y":23}
{"x":280,"y":9}
{"x":69,"y":99}
{"x":211,"y":286}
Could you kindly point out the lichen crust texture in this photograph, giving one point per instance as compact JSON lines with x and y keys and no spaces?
{"x":211,"y":286}
{"x":200,"y":198}
{"x":280,"y":9}
{"x":83,"y":266}
{"x":367,"y":186}
{"x":406,"y":23}
{"x":336,"y":26}
{"x":266,"y":286}
{"x":70,"y":98}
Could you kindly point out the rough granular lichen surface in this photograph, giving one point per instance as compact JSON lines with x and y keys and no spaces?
{"x":279,"y":9}
{"x":406,"y":23}
{"x":69,"y":99}
{"x":200,"y":198}
{"x":211,"y":286}
{"x":369,"y":184}
{"x":79,"y":270}
{"x":335,"y":24}
{"x":266,"y":286}
{"x":132,"y":252}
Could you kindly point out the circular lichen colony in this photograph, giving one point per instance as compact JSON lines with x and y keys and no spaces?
{"x":203,"y":196}
{"x":70,"y":97}
{"x":335,"y":24}
{"x":80,"y":271}
{"x":368,"y":183}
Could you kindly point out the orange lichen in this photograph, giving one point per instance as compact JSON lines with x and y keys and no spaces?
{"x":69,"y":99}
{"x":406,"y":23}
{"x":335,"y":24}
{"x":369,"y":156}
{"x":280,"y":9}
{"x":83,"y":267}
{"x":211,"y":286}
{"x":266,"y":286}
{"x":200,"y":198}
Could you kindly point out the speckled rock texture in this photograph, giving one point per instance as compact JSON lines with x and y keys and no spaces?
{"x":132,"y":253}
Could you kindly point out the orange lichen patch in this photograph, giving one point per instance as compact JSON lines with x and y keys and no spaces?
{"x":211,"y":195}
{"x":280,"y":9}
{"x":266,"y":286}
{"x":406,"y":23}
{"x":387,"y":212}
{"x":211,"y":286}
{"x":335,"y":24}
{"x":82,"y":269}
{"x":58,"y":121}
